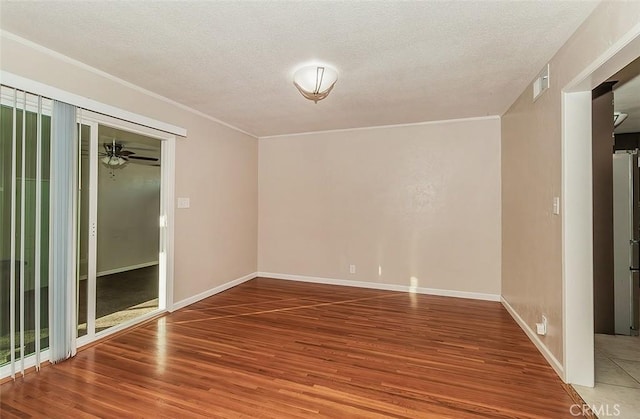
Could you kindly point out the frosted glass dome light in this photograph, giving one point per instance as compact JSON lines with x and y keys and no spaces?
{"x":315,"y":82}
{"x":618,"y":118}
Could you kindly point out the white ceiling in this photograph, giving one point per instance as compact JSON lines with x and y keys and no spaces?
{"x":399,"y":62}
{"x":626,"y":98}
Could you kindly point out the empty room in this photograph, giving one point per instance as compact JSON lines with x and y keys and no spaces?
{"x":319,"y":209}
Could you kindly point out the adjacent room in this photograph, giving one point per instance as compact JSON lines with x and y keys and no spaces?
{"x":124,"y":266}
{"x":332,"y":209}
{"x":616,"y":226}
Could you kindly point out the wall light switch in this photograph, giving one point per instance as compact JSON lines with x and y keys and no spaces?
{"x":556,"y":205}
{"x":183,"y":203}
{"x":541,"y":83}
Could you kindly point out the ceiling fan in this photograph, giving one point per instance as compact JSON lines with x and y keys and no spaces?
{"x":115,"y":155}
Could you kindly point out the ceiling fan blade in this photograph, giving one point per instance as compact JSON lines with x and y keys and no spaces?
{"x":143,"y":158}
{"x":126,"y":153}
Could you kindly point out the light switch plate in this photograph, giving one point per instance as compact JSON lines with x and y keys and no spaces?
{"x":556,"y":205}
{"x":183,"y":203}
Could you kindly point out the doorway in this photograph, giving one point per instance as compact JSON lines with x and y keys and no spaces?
{"x":121,"y":268}
{"x":616,"y":138}
{"x":578,"y":249}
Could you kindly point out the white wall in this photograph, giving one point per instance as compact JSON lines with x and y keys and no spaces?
{"x":421,"y":203}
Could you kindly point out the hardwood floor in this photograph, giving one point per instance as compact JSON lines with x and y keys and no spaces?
{"x":273,"y":348}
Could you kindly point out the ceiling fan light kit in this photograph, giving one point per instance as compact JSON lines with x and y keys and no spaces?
{"x":315,"y":82}
{"x":114,"y":161}
{"x":115,"y":155}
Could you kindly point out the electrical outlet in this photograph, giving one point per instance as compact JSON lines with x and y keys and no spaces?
{"x":352,"y":269}
{"x":541,"y":328}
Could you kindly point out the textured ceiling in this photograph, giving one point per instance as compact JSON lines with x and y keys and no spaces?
{"x":399,"y":62}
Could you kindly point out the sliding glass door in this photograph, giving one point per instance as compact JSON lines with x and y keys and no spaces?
{"x":25,"y":135}
{"x":84,"y":196}
{"x":119,"y":229}
{"x":85,"y":237}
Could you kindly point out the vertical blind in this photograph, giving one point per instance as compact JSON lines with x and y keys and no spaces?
{"x":37,"y":139}
{"x":25,"y":122}
{"x":62,"y":291}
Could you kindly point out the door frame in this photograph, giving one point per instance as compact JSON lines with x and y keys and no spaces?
{"x":166,"y":221}
{"x":577,"y":218}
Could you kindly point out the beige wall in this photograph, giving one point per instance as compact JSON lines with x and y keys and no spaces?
{"x":419,"y":201}
{"x":128,"y":214}
{"x":128,"y":211}
{"x":215,"y":240}
{"x":531,"y":176}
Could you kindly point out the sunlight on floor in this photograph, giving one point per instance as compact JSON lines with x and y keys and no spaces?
{"x":122,"y":316}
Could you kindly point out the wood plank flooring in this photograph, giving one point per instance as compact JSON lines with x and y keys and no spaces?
{"x":278,"y":349}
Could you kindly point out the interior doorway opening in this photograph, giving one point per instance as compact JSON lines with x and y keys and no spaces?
{"x":578,"y":217}
{"x":616,"y":246}
{"x":616,"y":202}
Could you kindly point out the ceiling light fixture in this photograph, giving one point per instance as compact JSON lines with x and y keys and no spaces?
{"x":315,"y":82}
{"x":113,"y":161}
{"x":618,"y":118}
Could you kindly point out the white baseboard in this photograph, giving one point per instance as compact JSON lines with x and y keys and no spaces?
{"x":382,"y":286}
{"x":552,"y":360}
{"x":205,"y":294}
{"x":127,"y":268}
{"x":122,"y":269}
